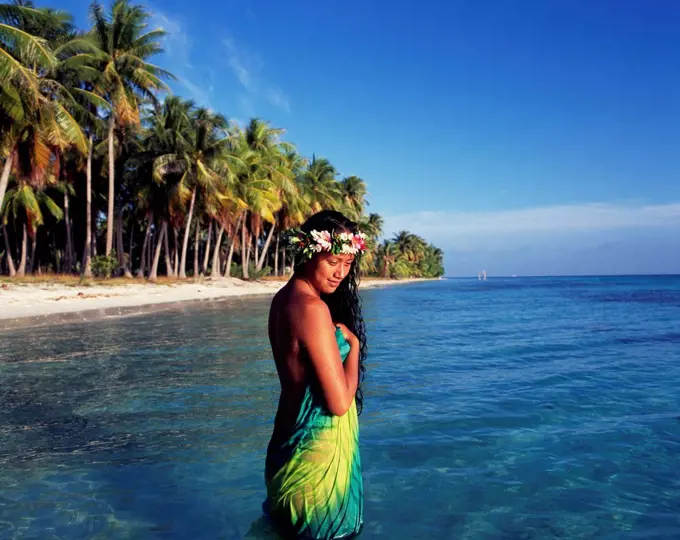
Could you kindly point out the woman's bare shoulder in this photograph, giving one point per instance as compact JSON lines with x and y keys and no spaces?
{"x":300,"y":310}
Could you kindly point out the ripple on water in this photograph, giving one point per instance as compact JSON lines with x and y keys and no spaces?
{"x":506,"y":409}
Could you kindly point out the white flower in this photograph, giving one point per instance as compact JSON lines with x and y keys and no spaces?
{"x":323,"y":239}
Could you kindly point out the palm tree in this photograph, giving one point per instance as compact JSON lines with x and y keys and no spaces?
{"x":21,"y":56}
{"x":353,"y":193}
{"x":46,"y":126}
{"x":319,"y":185}
{"x":294,"y":208}
{"x":272,"y":161}
{"x":409,"y":245}
{"x":262,"y":179}
{"x":23,"y":204}
{"x":372,"y":225}
{"x":202,"y":158}
{"x":37,"y":97}
{"x":160,"y":194}
{"x":126,"y":74}
{"x":387,"y":253}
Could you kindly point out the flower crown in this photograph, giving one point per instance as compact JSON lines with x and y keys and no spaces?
{"x":308,"y":244}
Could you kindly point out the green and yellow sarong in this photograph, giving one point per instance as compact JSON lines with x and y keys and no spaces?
{"x":314,"y":484}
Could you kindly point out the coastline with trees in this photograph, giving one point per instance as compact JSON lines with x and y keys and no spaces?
{"x":104,"y":173}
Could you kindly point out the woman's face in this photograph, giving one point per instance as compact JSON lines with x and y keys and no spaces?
{"x":326,"y":271}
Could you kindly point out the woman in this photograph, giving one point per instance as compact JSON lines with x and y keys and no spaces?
{"x":313,"y":469}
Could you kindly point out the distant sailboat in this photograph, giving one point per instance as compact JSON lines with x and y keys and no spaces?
{"x":481,"y":276}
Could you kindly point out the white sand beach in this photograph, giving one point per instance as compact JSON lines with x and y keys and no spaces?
{"x":28,"y":300}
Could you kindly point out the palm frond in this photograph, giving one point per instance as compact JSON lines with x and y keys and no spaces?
{"x":92,"y":98}
{"x":77,"y":47}
{"x":10,"y":103}
{"x":32,"y":50}
{"x":27,"y":200}
{"x":70,"y":128}
{"x":52,"y":207}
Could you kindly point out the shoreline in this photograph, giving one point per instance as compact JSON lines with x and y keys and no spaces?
{"x":49,"y":302}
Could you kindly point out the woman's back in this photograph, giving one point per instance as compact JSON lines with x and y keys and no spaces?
{"x":288,"y":356}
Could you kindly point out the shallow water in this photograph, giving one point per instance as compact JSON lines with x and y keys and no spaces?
{"x":507,"y":409}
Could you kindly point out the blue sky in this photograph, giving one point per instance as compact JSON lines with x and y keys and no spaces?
{"x":529,"y":137}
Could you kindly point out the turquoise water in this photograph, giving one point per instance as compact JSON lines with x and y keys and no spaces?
{"x":507,"y":409}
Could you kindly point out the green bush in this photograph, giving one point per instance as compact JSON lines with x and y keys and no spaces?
{"x":237,"y":271}
{"x":103,"y":266}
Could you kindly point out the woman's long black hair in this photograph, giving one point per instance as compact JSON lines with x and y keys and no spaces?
{"x":345,"y":303}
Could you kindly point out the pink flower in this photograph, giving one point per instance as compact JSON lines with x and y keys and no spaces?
{"x":358,"y":242}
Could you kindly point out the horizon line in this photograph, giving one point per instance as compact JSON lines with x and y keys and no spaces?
{"x":517,"y":276}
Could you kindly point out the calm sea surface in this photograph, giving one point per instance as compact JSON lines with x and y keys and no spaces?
{"x":506,"y":409}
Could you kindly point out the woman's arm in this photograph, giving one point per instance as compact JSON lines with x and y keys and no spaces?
{"x":338,"y":383}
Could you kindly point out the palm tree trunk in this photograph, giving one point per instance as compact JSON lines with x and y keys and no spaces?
{"x":250,"y":247}
{"x":215,"y":270}
{"x":197,"y":237}
{"x":175,"y":268}
{"x":110,"y":217}
{"x":10,"y":260}
{"x":34,"y":244}
{"x":87,"y":252}
{"x":94,"y":239}
{"x":227,"y":269}
{"x":260,"y":263}
{"x":153,"y":275}
{"x":257,"y":247}
{"x":185,"y":244}
{"x":22,"y":264}
{"x":276,"y":255}
{"x":122,"y":263}
{"x":152,"y":244}
{"x":142,"y":262}
{"x":244,"y":250}
{"x":4,"y":179}
{"x":169,"y":270}
{"x":207,"y":249}
{"x":69,"y":239}
{"x":132,"y":235}
{"x":149,"y":254}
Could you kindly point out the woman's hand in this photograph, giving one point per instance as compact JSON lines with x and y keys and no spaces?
{"x":349,"y":336}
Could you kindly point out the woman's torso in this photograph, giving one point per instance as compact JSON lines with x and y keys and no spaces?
{"x":313,"y":466}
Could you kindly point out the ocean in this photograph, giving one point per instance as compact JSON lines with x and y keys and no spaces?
{"x":519,"y":408}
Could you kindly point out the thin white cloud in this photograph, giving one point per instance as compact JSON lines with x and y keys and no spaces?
{"x":594,"y":238}
{"x":177,"y":45}
{"x":247,"y":67}
{"x":584,"y":217}
{"x":237,"y":62}
{"x":181,"y":58}
{"x":278,"y":98}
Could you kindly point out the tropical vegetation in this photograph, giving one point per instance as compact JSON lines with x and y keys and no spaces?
{"x":104,"y":172}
